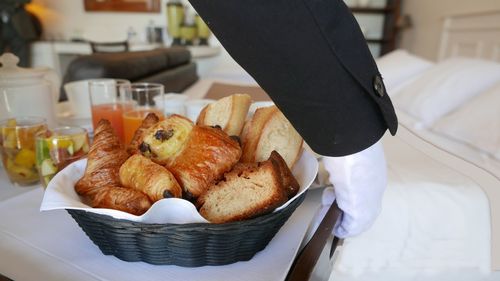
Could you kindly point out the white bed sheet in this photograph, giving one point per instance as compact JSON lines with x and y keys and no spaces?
{"x":434,"y":224}
{"x":459,"y":149}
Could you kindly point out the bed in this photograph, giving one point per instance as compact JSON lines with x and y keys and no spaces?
{"x":441,"y":211}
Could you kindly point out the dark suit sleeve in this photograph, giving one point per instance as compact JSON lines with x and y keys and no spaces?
{"x":312,"y":59}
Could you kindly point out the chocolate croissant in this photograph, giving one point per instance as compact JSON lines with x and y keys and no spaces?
{"x":142,"y":174}
{"x":196,"y":155}
{"x":147,"y":123}
{"x":100,"y":185}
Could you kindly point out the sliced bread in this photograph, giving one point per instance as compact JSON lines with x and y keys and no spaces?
{"x":247,"y":191}
{"x":290,"y":184}
{"x":229,"y":113}
{"x":269,"y":130}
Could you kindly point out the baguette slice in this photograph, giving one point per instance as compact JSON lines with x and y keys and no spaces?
{"x":267,"y":131}
{"x":290,"y":184}
{"x":229,"y":113}
{"x":247,"y":191}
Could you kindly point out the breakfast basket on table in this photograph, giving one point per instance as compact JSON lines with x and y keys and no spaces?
{"x":189,"y":245}
{"x":226,"y":220}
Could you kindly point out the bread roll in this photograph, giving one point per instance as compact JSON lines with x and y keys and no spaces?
{"x":140,"y":173}
{"x":229,"y":113}
{"x":249,"y":190}
{"x":163,"y":141}
{"x":268,"y":131}
{"x":196,"y":155}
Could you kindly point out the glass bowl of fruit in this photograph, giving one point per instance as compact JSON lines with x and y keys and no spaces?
{"x":17,"y":147}
{"x":58,"y":148}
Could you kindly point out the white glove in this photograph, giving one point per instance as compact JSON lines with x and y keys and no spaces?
{"x":359,"y":182}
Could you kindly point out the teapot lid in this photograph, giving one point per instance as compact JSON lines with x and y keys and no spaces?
{"x":9,"y":68}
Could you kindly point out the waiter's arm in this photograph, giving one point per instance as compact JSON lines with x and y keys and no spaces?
{"x":310,"y":56}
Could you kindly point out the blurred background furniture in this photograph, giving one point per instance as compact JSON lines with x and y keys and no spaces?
{"x":379,"y":21}
{"x":109,"y":47}
{"x":171,"y":67}
{"x":58,"y":55}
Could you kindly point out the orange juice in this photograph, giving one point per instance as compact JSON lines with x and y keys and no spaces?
{"x":113,"y":112}
{"x":133,"y":119}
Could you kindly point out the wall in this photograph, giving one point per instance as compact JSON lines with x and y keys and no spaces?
{"x":66,"y":19}
{"x":428,"y":16}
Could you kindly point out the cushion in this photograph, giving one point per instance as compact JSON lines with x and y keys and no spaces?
{"x":445,"y":87}
{"x":476,"y":124}
{"x":399,"y":67}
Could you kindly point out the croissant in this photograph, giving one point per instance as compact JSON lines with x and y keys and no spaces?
{"x":100,"y":185}
{"x":148,"y":122}
{"x":140,"y":173}
{"x":196,"y":155}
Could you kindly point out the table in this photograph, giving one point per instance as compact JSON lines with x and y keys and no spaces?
{"x":53,"y":247}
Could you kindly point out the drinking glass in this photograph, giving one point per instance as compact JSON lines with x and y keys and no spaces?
{"x":109,"y":102}
{"x":173,"y":104}
{"x":148,"y":98}
{"x":17,"y":146}
{"x":58,"y":148}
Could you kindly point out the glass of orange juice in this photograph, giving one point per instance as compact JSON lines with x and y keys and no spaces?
{"x":109,"y":102}
{"x":148,"y":98}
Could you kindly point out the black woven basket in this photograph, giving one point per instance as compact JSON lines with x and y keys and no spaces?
{"x":188,"y":245}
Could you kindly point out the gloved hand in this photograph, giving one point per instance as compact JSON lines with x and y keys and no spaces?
{"x":359,"y":182}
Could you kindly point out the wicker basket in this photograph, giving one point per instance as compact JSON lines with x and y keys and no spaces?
{"x":188,"y":245}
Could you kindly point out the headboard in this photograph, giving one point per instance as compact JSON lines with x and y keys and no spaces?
{"x":474,"y":35}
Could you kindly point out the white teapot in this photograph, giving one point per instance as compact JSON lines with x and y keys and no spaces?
{"x":27,"y":91}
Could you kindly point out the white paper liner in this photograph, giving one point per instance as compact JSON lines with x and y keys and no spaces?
{"x":60,"y":194}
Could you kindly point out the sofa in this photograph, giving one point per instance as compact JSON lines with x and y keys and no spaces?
{"x":171,"y":67}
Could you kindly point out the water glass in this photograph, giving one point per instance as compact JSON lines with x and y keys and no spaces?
{"x":58,"y":148}
{"x":17,"y":147}
{"x":109,"y":102}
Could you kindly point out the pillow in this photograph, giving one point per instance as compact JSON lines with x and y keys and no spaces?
{"x":476,"y":124}
{"x":446,"y":86}
{"x":398,"y":67}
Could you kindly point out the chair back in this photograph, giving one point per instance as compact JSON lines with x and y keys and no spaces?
{"x":109,"y":47}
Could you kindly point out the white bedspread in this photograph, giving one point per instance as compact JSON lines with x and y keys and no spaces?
{"x":434,"y":224}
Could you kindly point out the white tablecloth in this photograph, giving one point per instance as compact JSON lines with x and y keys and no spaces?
{"x":50,"y":245}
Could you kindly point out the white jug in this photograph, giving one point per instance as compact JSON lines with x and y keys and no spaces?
{"x":27,"y":91}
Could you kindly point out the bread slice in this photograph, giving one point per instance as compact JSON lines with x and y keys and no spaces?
{"x":267,"y":131}
{"x":229,"y":113}
{"x":247,"y":191}
{"x":290,"y":184}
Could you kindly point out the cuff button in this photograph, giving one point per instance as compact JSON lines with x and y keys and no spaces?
{"x":378,"y":85}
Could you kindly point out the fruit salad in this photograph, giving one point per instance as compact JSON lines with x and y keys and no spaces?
{"x":17,"y":146}
{"x":58,"y":148}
